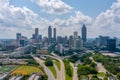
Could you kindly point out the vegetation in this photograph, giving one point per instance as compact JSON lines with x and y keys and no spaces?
{"x":101,"y":74}
{"x":68,"y":70}
{"x":53,"y":71}
{"x":48,"y":62}
{"x":88,"y":66}
{"x":26,"y":70}
{"x":74,"y":58}
{"x":118,"y":76}
{"x":86,"y":55}
{"x":110,"y":63}
{"x":57,"y":64}
{"x":86,"y":70}
{"x":32,"y":62}
{"x":7,"y":68}
{"x":1,"y":64}
{"x":94,"y":77}
{"x":22,"y":57}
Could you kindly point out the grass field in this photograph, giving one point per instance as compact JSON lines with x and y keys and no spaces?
{"x":53,"y":71}
{"x":57,"y":64}
{"x":7,"y":68}
{"x":68,"y":77}
{"x":83,"y":77}
{"x":101,"y":74}
{"x":26,"y":70}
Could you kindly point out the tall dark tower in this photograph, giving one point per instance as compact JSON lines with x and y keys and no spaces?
{"x":36,"y":35}
{"x":49,"y":34}
{"x":84,"y":33}
{"x":54,"y":34}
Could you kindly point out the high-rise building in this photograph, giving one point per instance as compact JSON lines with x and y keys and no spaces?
{"x":40,"y":38}
{"x":78,"y":44}
{"x":49,"y":34}
{"x":59,"y":39}
{"x":75,"y":34}
{"x":54,"y":34}
{"x":18,"y":36}
{"x":102,"y":40}
{"x":111,"y":45}
{"x":36,"y":35}
{"x":71,"y":42}
{"x":59,"y":48}
{"x":84,"y":33}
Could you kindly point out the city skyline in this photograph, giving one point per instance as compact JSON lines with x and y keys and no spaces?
{"x":59,"y":40}
{"x":24,"y":16}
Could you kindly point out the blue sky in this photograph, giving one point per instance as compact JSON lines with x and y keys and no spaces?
{"x":88,"y":7}
{"x":101,"y":17}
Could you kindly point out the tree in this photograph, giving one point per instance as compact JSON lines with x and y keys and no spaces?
{"x":118,"y":76}
{"x":82,"y":70}
{"x":69,"y":72}
{"x":87,"y":61}
{"x":68,"y":68}
{"x":94,"y":77}
{"x":92,"y":70}
{"x":1,"y":64}
{"x":74,"y":58}
{"x":93,"y":65}
{"x":105,"y":78}
{"x":48,"y":62}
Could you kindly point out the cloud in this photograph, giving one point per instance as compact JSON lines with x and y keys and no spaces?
{"x":22,"y":19}
{"x":108,"y":22}
{"x":57,"y":7}
{"x":78,"y":19}
{"x":73,"y":23}
{"x":15,"y":19}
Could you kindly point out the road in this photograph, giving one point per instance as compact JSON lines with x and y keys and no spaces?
{"x":57,"y":72}
{"x":75,"y":77}
{"x":62,"y":70}
{"x":47,"y":71}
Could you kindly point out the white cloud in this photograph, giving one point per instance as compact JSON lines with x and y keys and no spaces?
{"x":74,"y":23}
{"x":108,"y":22}
{"x":78,"y":19}
{"x":57,"y":7}
{"x":16,"y":19}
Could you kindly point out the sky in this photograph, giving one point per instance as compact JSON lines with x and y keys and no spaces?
{"x":101,"y":17}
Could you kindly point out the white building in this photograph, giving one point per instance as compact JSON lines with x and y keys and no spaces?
{"x":78,"y":44}
{"x":59,"y":48}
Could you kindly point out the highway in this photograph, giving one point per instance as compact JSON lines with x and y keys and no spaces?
{"x":75,"y":76}
{"x":62,"y":70}
{"x":46,"y":69}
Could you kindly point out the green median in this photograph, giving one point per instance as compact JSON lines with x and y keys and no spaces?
{"x":68,"y":70}
{"x":57,"y":63}
{"x":49,"y":64}
{"x":53,"y":71}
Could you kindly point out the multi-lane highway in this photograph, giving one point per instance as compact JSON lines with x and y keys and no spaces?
{"x":46,"y":69}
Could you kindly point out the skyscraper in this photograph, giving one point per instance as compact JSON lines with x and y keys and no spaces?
{"x":54,"y":36}
{"x":36,"y":35}
{"x":75,"y":34}
{"x":78,"y":44}
{"x":84,"y":33}
{"x":18,"y":36}
{"x":71,"y":41}
{"x":49,"y":34}
{"x":111,"y":45}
